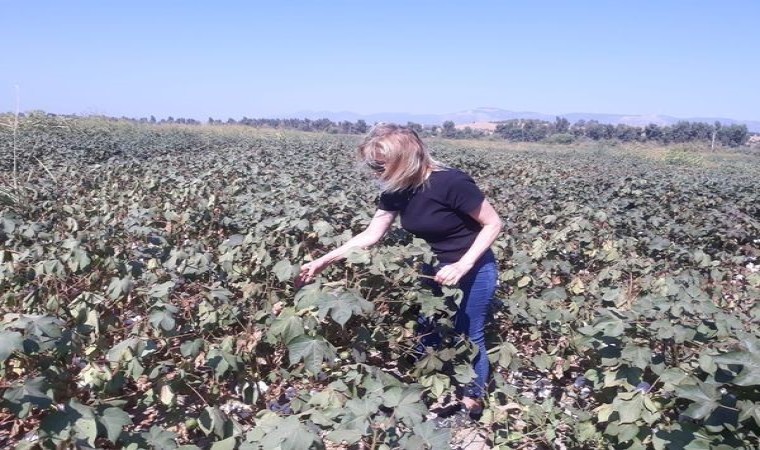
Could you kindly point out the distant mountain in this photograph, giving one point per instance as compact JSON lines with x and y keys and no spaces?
{"x":487,"y":114}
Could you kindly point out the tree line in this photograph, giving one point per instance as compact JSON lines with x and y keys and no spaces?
{"x":559,"y":131}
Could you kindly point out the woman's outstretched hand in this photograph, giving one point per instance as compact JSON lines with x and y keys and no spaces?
{"x":308,"y":273}
{"x":451,"y":274}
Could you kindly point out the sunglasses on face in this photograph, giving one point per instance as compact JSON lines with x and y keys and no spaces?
{"x":376,"y":166}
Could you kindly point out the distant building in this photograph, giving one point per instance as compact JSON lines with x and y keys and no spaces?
{"x":487,"y":127}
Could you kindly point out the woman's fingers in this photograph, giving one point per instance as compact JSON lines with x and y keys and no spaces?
{"x":308,"y":273}
{"x":305,"y":275}
{"x":448,"y":275}
{"x":308,"y":270}
{"x":440,"y":276}
{"x":453,"y":273}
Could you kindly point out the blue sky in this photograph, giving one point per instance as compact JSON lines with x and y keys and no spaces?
{"x":272,"y":59}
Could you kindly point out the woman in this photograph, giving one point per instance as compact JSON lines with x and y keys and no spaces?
{"x":445,"y":207}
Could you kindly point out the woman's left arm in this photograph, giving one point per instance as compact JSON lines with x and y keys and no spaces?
{"x":492,"y":225}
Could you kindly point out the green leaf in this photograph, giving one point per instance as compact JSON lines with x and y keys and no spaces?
{"x":227,"y":444}
{"x":358,"y":256}
{"x":312,"y":350}
{"x":234,"y":240}
{"x":342,"y":306}
{"x":327,"y":398}
{"x":161,"y":290}
{"x":114,"y":420}
{"x":436,"y":382}
{"x":56,"y":426}
{"x":119,"y":287}
{"x":587,"y":431}
{"x":554,"y":294}
{"x":659,"y":243}
{"x":286,"y":434}
{"x":629,"y":410}
{"x":221,"y":361}
{"x":284,"y":271}
{"x":322,"y":228}
{"x":638,"y":356}
{"x":608,"y":325}
{"x":681,"y":436}
{"x":359,"y":412}
{"x":160,"y":439}
{"x":454,"y":293}
{"x":34,"y":392}
{"x":749,"y":360}
{"x":673,"y":376}
{"x":300,"y":437}
{"x":628,"y":431}
{"x":749,"y":409}
{"x":503,"y":354}
{"x":432,"y":437}
{"x":162,"y":319}
{"x":707,"y":363}
{"x":83,"y":420}
{"x":406,"y":403}
{"x":287,"y":327}
{"x":430,"y":304}
{"x":464,"y":373}
{"x":45,"y":326}
{"x":543,"y":361}
{"x":211,"y":421}
{"x":87,"y":428}
{"x":524,"y":281}
{"x":190,"y":349}
{"x":350,"y":437}
{"x":431,"y":363}
{"x":122,"y":351}
{"x":705,"y":399}
{"x":10,"y":341}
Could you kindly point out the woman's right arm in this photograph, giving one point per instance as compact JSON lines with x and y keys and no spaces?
{"x":378,"y":226}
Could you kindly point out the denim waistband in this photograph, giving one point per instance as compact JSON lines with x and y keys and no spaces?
{"x":485,"y":258}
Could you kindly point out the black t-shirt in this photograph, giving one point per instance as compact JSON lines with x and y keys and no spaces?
{"x":439,"y":212}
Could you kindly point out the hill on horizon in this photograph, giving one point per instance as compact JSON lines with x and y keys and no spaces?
{"x":490,"y":114}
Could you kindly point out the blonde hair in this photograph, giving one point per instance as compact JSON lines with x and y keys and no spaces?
{"x":406,"y":159}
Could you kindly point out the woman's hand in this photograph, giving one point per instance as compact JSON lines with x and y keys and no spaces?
{"x":451,"y":274}
{"x":309,"y":272}
{"x":377,"y":227}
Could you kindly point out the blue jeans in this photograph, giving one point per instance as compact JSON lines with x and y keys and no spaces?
{"x":474,"y":312}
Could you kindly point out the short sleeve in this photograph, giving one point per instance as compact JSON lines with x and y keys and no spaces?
{"x":464,"y":195}
{"x":389,"y":201}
